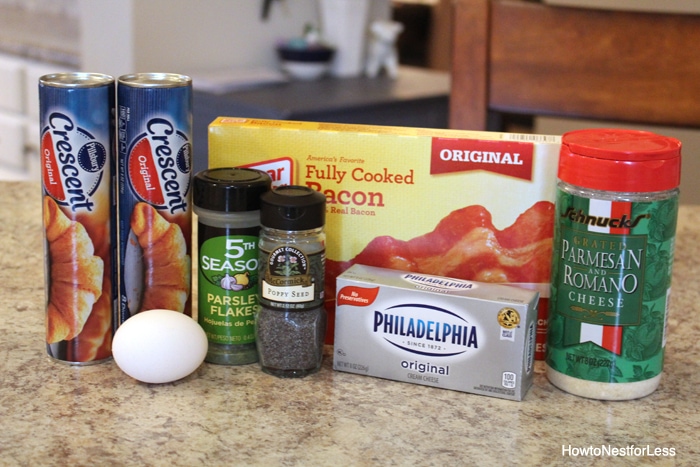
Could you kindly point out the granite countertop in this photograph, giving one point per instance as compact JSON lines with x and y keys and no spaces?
{"x":55,"y":414}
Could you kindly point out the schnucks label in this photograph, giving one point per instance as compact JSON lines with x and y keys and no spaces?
{"x":610,"y":287}
{"x":436,"y":331}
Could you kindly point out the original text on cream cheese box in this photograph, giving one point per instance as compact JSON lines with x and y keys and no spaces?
{"x":454,"y":334}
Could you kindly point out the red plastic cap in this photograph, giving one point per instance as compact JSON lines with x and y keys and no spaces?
{"x":620,"y":160}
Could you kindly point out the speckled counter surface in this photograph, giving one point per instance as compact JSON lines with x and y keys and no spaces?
{"x":54,"y":414}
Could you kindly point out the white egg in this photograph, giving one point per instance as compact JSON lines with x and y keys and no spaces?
{"x":159,"y":346}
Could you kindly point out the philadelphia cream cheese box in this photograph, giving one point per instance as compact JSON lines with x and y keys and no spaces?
{"x":454,"y":334}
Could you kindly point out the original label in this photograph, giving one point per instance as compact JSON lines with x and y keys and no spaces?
{"x":502,"y":157}
{"x":77,"y":179}
{"x":154,"y":128}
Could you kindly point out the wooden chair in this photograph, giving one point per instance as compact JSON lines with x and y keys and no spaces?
{"x":529,"y":58}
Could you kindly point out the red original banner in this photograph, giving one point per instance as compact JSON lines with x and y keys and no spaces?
{"x":462,"y":155}
{"x":143,"y":173}
{"x":51,"y":170}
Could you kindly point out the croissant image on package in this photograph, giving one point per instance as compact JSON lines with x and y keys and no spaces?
{"x":75,"y":274}
{"x":166,"y":262}
{"x":94,"y":342}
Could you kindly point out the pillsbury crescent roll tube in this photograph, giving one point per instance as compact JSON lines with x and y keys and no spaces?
{"x":154,"y":136}
{"x":76,"y":120}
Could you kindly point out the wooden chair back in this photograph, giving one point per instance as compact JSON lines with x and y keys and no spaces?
{"x":529,"y":58}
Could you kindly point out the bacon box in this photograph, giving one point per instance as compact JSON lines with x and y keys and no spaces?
{"x":469,"y":205}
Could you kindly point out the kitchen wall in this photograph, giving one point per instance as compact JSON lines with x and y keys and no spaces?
{"x":126,"y":36}
{"x":123,"y":36}
{"x":66,"y":7}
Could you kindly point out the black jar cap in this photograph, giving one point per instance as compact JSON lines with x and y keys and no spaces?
{"x":230,"y":189}
{"x":293,"y":207}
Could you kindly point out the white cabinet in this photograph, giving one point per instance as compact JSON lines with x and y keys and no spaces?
{"x":12,"y":141}
{"x":19,"y":115}
{"x":11,"y":84}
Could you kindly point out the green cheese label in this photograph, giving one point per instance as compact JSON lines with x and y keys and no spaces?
{"x":228,"y":288}
{"x":601,"y":277}
{"x":611,"y":279}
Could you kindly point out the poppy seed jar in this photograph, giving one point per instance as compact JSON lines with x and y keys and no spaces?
{"x":291,"y":325}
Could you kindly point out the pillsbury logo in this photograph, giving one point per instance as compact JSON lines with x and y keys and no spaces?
{"x":426,"y":330}
{"x":159,"y":166}
{"x":73,"y":162}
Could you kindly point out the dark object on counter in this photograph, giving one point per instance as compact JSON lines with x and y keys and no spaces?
{"x":317,"y":53}
{"x":291,"y":324}
{"x":266,"y":7}
{"x":305,"y":61}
